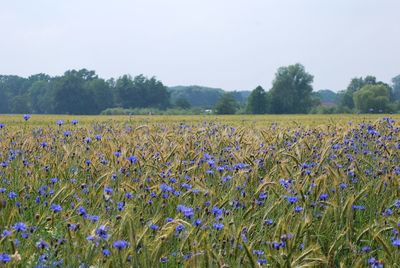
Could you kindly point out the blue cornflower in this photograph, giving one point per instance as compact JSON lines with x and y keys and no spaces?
{"x":259,"y":202}
{"x":27,"y":117}
{"x":108,"y":190}
{"x":211,"y":163}
{"x":74,"y":122}
{"x":298,"y":208}
{"x":375,"y":263}
{"x":102,"y":232}
{"x":197,"y":222}
{"x":4,"y":258}
{"x":81,"y":211}
{"x":220,"y":168}
{"x":43,"y":258}
{"x":44,"y":144}
{"x":278,"y":245}
{"x":42,"y":244}
{"x":263,"y":195}
{"x":240,"y":166}
{"x":218,"y":226}
{"x":262,"y":260}
{"x":58,"y":263}
{"x":396,"y":242}
{"x":180,"y":207}
{"x":60,"y":122}
{"x":217,"y":211}
{"x":55,"y":208}
{"x":73,"y":226}
{"x":258,"y":252}
{"x":154,"y":226}
{"x":366,"y":249}
{"x":106,"y":252}
{"x":20,"y":227}
{"x":53,"y":180}
{"x":226,"y":178}
{"x":25,"y":235}
{"x":387,"y":212}
{"x":166,"y":188}
{"x":210,"y":171}
{"x":163,"y":259}
{"x":207,"y":156}
{"x":323,"y":196}
{"x":358,"y":207}
{"x":292,"y":199}
{"x":186,"y":186}
{"x":179,"y":228}
{"x":6,"y":233}
{"x":269,"y":222}
{"x":120,"y":244}
{"x":121,"y":206}
{"x":133,"y":159}
{"x":12,"y":195}
{"x":93,"y":218}
{"x":90,"y":238}
{"x":188,"y":212}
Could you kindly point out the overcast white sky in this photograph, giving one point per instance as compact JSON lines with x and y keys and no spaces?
{"x":232,"y":44}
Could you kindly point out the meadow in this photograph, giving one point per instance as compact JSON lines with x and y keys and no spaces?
{"x":200,"y":191}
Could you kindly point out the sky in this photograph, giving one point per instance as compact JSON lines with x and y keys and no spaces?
{"x":229,"y":44}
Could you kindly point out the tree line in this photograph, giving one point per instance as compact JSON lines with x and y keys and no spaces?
{"x":292,"y":93}
{"x":84,"y":92}
{"x":79,"y":92}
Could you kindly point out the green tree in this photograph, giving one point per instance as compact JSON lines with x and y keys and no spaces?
{"x":14,"y":85}
{"x":155,"y":94}
{"x":257,"y":101}
{"x":70,"y":94}
{"x":141,"y":92}
{"x":291,"y":90}
{"x":20,"y":104}
{"x":124,"y":90}
{"x":197,"y":96}
{"x":346,"y":96}
{"x":39,"y":77}
{"x":4,"y":100}
{"x":182,"y":103}
{"x":40,"y":99}
{"x":101,"y":95}
{"x":226,"y":104}
{"x":374,"y":98}
{"x":396,"y":88}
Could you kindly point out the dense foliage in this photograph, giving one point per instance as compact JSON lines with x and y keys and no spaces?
{"x":226,"y":104}
{"x":291,"y":90}
{"x":200,"y":194}
{"x":79,"y":92}
{"x":257,"y":101}
{"x":84,"y":92}
{"x":371,"y":98}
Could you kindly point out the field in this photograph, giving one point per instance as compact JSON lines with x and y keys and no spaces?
{"x":200,"y":191}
